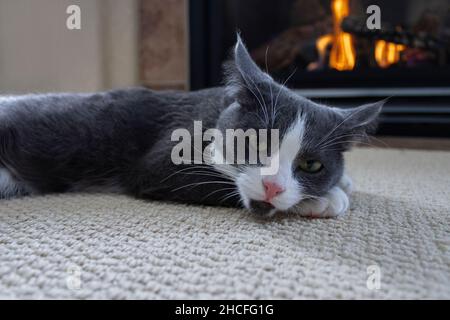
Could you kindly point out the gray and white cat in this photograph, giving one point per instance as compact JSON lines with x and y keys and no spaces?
{"x":120,"y":141}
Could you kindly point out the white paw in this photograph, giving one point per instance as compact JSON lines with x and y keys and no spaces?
{"x":346,"y":184}
{"x":334,"y":204}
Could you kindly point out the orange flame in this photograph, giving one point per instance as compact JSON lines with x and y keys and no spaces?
{"x":387,"y":53}
{"x":342,"y":54}
{"x":322,"y":44}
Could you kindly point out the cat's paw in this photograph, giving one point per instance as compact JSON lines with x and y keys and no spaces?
{"x":334,"y":204}
{"x":346,"y":184}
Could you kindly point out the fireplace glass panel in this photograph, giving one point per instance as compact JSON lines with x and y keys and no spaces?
{"x":326,"y":43}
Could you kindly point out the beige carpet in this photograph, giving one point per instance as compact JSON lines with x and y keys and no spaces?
{"x":106,"y":246}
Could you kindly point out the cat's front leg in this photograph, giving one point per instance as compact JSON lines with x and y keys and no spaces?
{"x":334,"y":204}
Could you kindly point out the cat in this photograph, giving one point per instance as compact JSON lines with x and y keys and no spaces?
{"x":121,"y":141}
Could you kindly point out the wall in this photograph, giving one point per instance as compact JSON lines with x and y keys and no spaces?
{"x":38,"y":53}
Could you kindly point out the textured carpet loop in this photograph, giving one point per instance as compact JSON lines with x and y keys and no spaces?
{"x":107,"y":246}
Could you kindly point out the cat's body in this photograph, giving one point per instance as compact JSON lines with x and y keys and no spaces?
{"x":116,"y":141}
{"x":121,"y":141}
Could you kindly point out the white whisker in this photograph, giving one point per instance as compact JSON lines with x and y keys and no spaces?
{"x":216,"y":191}
{"x":196,"y":184}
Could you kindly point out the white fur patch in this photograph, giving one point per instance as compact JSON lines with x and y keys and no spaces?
{"x":334,"y":204}
{"x":9,"y":187}
{"x":250,"y":181}
{"x":3,"y":100}
{"x":346,"y":184}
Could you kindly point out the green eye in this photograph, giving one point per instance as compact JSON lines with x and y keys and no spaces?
{"x":310,"y":166}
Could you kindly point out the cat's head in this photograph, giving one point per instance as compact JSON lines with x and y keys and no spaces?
{"x":312,"y":137}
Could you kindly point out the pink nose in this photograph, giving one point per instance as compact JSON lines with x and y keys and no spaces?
{"x":272,"y":189}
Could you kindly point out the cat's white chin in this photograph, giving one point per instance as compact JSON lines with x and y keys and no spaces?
{"x":254,"y":193}
{"x":250,"y":187}
{"x":334,"y":203}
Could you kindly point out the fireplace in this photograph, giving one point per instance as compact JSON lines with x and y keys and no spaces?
{"x":336,"y":52}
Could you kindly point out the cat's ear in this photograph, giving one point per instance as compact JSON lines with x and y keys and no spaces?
{"x":243,"y":77}
{"x":247,"y":68}
{"x":362,"y":119}
{"x":354,"y":124}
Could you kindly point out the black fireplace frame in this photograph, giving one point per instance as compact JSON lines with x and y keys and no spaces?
{"x":413,"y":110}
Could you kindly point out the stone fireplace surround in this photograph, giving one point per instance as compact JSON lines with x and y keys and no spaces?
{"x":164,"y":50}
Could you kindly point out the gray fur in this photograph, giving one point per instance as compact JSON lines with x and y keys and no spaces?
{"x":120,"y":140}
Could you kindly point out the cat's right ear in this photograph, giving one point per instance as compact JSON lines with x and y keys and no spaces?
{"x":355,"y":123}
{"x":362,"y":119}
{"x":244,"y":79}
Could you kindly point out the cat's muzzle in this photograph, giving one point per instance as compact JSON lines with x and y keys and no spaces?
{"x":261,"y":208}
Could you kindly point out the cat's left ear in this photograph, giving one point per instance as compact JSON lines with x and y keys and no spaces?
{"x":247,"y":68}
{"x":362,"y":119}
{"x":243,"y":77}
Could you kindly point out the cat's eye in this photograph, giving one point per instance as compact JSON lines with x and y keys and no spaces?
{"x":310,"y":166}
